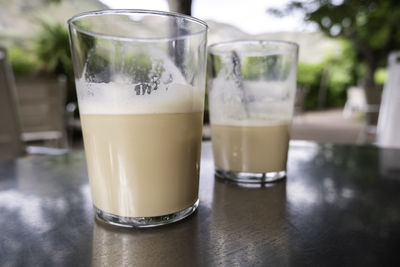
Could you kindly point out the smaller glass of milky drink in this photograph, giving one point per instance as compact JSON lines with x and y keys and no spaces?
{"x":140,"y":80}
{"x":252,"y":86}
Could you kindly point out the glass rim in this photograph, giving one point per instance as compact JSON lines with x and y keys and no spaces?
{"x":212,"y":47}
{"x":95,"y":13}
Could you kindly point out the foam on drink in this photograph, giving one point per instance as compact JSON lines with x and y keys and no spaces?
{"x":122,"y":98}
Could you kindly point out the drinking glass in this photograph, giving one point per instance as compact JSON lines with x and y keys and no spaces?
{"x":252,"y":86}
{"x":140,"y":81}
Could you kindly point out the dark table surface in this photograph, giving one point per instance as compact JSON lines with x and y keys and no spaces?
{"x":339,"y":206}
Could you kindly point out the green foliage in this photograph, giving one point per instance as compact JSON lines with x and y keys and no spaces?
{"x":341,"y":74}
{"x":335,"y":74}
{"x":309,"y":74}
{"x":338,"y":72}
{"x":139,"y":64}
{"x":22,"y":62}
{"x":371,"y":26}
{"x":381,"y":76}
{"x":309,"y":79}
{"x":83,"y":44}
{"x":53,"y":51}
{"x":268,"y":67}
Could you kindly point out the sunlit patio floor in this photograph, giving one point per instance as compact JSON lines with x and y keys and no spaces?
{"x":331,"y":127}
{"x":328,"y":126}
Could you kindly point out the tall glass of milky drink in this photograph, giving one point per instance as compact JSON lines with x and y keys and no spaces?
{"x":140,"y":80}
{"x":252,"y":86}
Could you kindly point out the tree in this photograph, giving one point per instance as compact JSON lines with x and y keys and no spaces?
{"x":181,"y":6}
{"x":372,"y":27}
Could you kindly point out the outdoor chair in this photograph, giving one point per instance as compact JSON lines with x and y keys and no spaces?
{"x":11,"y":145}
{"x":29,"y":114}
{"x":41,"y":103}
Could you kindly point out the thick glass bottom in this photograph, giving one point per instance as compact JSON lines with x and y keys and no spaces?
{"x":144,"y":222}
{"x":250,"y":177}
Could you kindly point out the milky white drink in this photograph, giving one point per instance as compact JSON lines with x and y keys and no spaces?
{"x":254,"y":147}
{"x":143,"y":155}
{"x":250,"y":129}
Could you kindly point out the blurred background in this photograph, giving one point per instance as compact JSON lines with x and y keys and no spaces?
{"x":343,"y":68}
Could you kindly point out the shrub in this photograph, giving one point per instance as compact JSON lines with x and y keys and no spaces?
{"x":23,"y":62}
{"x":309,"y":80}
{"x":336,"y":73}
{"x":53,"y":51}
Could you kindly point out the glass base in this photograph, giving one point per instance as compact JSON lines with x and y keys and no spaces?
{"x":144,"y":222}
{"x":250,"y":177}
